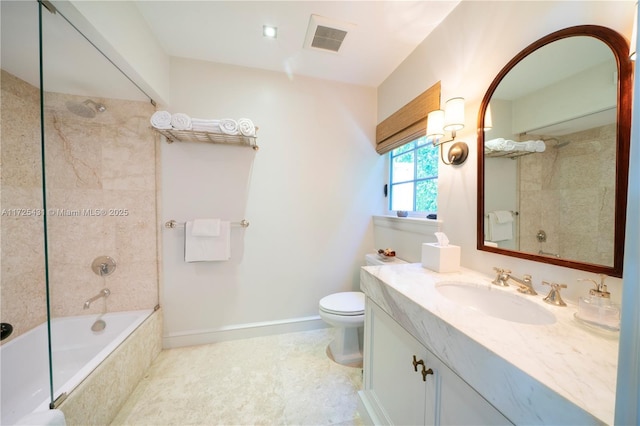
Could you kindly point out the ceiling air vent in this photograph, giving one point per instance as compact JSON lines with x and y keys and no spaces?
{"x":326,"y":34}
{"x":328,"y":38}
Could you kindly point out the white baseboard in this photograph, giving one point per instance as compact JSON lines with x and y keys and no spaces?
{"x":242,"y":331}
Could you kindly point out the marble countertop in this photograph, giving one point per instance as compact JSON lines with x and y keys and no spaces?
{"x":560,"y":373}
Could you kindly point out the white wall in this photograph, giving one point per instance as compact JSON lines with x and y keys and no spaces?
{"x":309,"y":194}
{"x":466,"y":52}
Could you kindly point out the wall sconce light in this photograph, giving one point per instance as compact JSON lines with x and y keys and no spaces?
{"x":451,"y":119}
{"x":488,"y":121}
{"x":634,"y":36}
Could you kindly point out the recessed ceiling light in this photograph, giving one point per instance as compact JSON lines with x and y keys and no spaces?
{"x":269,"y":31}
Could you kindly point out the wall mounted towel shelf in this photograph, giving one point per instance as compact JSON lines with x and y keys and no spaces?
{"x":506,"y":154}
{"x":173,"y":135}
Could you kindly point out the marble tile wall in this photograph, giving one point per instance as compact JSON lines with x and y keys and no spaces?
{"x":569,"y":192}
{"x":101,"y":200}
{"x":101,"y":195}
{"x":22,"y":289}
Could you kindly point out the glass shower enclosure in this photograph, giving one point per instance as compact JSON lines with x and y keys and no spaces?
{"x":78,"y":191}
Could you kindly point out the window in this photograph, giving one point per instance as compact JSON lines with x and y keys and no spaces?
{"x":413,"y":176}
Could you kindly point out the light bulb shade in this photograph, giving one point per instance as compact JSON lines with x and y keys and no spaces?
{"x":488,"y":121}
{"x":435,"y":122}
{"x":454,"y":114}
{"x":634,"y":36}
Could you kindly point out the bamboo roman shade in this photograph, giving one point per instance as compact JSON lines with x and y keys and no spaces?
{"x":409,"y":122}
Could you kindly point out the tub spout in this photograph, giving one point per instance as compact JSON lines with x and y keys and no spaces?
{"x":105,"y":292}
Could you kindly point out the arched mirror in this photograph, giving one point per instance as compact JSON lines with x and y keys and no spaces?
{"x":553,"y":152}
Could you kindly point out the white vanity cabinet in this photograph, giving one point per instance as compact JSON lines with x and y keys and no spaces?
{"x":406,"y":384}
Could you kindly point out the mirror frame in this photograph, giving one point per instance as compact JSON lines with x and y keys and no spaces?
{"x":620,"y":49}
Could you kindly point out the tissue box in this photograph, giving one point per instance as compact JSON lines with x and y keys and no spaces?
{"x":441,"y":258}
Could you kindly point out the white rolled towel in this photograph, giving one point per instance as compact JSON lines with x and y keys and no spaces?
{"x":521,"y":146}
{"x":229,"y":126}
{"x":161,"y":120}
{"x":533,"y":146}
{"x":246,"y":126}
{"x":181,"y":121}
{"x":501,"y":144}
{"x":495,"y":144}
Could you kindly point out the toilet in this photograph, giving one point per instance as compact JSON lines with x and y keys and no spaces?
{"x":345,"y":312}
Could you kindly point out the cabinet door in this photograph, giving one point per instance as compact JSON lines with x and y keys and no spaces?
{"x":400,"y":391}
{"x":460,"y":404}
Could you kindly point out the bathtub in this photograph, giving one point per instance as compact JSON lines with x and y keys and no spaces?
{"x":76,"y":352}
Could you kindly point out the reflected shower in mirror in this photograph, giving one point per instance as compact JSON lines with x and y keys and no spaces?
{"x":553,"y":177}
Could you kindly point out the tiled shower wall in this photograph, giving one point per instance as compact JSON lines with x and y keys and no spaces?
{"x":22,"y":289}
{"x":101,"y":200}
{"x":569,"y":192}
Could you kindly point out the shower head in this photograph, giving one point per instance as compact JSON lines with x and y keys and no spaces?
{"x":86,"y":109}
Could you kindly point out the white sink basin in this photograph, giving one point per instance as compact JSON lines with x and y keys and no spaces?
{"x":495,"y":302}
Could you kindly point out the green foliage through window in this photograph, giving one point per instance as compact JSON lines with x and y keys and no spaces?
{"x":414,"y":177}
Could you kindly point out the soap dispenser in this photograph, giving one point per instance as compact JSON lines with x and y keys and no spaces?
{"x":597,"y":309}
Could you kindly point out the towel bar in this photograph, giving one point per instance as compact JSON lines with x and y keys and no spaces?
{"x":171,"y":224}
{"x":514,"y":213}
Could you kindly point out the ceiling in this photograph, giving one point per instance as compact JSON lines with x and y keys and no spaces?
{"x":382,"y":34}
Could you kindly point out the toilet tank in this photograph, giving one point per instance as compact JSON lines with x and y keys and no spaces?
{"x":372,"y":259}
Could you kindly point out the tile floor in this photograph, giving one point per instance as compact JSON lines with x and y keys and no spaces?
{"x":284,"y":379}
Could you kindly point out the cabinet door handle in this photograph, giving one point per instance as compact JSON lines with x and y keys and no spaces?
{"x":425,"y":372}
{"x":416,"y":363}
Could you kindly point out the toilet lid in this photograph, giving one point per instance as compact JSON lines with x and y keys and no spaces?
{"x":345,"y":303}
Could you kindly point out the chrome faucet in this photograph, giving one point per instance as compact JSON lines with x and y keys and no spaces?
{"x":105,"y":292}
{"x":525,"y":285}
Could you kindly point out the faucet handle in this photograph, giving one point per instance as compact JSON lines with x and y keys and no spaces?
{"x":502,"y":277}
{"x":554,"y":298}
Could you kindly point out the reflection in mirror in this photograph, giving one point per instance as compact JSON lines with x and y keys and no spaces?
{"x":552,"y":177}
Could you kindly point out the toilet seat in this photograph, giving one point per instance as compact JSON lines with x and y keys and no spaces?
{"x":348,"y":303}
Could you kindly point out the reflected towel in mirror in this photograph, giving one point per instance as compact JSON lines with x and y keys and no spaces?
{"x":498,"y":230}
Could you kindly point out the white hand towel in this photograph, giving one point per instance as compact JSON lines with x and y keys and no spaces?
{"x":211,"y":128}
{"x":503,"y":216}
{"x":206,"y":228}
{"x":161,"y":120}
{"x":203,"y":125}
{"x":229,"y":126}
{"x":246,"y":126}
{"x":205,"y":121}
{"x":181,"y":121}
{"x":205,"y":249}
{"x":497,"y":231}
